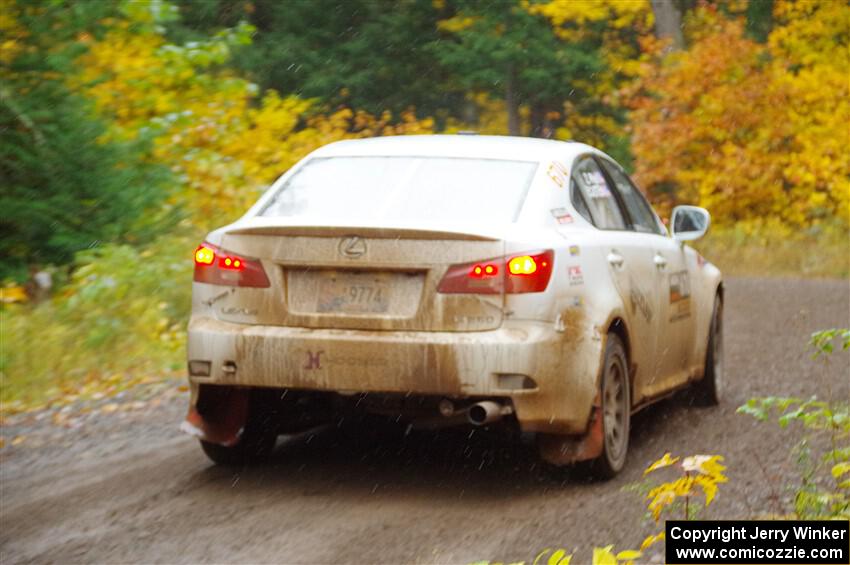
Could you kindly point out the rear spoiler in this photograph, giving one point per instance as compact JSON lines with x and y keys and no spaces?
{"x":372,"y":231}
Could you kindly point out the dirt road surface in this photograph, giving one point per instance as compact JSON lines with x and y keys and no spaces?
{"x":128,"y":487}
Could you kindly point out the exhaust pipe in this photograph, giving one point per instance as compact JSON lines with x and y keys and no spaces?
{"x":487,"y":412}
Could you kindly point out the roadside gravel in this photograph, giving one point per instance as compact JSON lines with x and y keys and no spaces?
{"x":124,"y":485}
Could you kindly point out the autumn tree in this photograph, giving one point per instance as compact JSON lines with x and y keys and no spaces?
{"x":622,"y":32}
{"x":753,"y":132}
{"x":224,"y":138}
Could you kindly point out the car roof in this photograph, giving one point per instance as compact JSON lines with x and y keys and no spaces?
{"x":461,"y":146}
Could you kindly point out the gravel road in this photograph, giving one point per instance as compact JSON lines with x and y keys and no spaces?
{"x":127,"y":486}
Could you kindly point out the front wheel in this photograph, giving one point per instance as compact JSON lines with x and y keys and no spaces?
{"x":709,"y":390}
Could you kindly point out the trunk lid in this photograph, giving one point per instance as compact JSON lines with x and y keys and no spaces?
{"x":363,"y":277}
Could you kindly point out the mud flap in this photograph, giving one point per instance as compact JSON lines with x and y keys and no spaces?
{"x":219,"y":416}
{"x":563,"y":450}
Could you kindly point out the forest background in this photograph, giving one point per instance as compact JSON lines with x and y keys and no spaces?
{"x":128,"y":129}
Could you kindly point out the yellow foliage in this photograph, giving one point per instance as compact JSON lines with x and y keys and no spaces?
{"x":601,"y":556}
{"x":559,"y":557}
{"x":569,"y":16}
{"x":491,"y":116}
{"x":224,"y":140}
{"x":13,"y":294}
{"x":628,"y":555}
{"x":746,"y":130}
{"x":623,"y":56}
{"x":665,"y":461}
{"x":456,"y":24}
{"x":704,"y":471}
{"x":704,"y":464}
{"x":11,"y":33}
{"x":661,"y":499}
{"x":604,"y":556}
{"x":650,"y":540}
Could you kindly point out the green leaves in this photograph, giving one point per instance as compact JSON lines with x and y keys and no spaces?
{"x":503,"y":49}
{"x":822,"y":341}
{"x":829,"y":419}
{"x":119,"y":320}
{"x":812,"y":413}
{"x":65,"y":189}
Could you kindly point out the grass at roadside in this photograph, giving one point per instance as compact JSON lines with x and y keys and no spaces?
{"x":119,"y":321}
{"x":817,"y":252}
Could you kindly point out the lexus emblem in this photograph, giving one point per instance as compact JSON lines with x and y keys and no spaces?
{"x":352,"y":246}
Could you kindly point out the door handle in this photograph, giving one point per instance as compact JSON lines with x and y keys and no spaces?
{"x":615,"y":259}
{"x":659,"y":261}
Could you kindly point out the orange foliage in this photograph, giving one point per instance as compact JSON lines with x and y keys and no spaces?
{"x":746,"y":130}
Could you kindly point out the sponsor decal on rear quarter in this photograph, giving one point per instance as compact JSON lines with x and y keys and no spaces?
{"x":680,"y":295}
{"x":558,"y":173}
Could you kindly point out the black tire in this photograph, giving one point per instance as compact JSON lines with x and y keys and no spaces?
{"x":615,"y":412}
{"x":245,"y":452}
{"x":255,"y":444}
{"x":708,"y":391}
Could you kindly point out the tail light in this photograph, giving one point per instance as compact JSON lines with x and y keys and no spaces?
{"x":216,"y":266}
{"x":514,"y":274}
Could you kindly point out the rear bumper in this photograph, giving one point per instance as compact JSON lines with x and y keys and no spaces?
{"x":454,"y":364}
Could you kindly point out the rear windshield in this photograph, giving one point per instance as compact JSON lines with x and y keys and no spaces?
{"x":405,"y":188}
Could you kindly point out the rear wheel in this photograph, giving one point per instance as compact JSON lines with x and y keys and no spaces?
{"x":257,"y":439}
{"x":709,"y":390}
{"x":615,"y":411}
{"x":252,"y":447}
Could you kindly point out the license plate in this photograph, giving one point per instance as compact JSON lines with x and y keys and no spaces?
{"x":353,"y":293}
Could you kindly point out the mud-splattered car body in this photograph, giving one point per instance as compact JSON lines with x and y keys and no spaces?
{"x":434,"y":314}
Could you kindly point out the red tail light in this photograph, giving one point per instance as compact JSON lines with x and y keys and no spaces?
{"x":529,"y":273}
{"x":483,"y":277}
{"x":514,"y":274}
{"x":216,"y":266}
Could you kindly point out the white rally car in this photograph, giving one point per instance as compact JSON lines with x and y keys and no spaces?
{"x":451,"y":280}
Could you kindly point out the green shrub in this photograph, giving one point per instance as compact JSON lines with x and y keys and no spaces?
{"x":828,"y":419}
{"x":120,"y":319}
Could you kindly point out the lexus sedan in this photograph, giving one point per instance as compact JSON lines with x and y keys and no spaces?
{"x":451,"y":280}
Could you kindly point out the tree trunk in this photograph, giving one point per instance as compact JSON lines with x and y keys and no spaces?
{"x":512,"y":103}
{"x":538,"y":113}
{"x":469,"y":113}
{"x":541,"y":123}
{"x":668,"y":23}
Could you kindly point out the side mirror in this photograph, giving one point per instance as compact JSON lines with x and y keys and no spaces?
{"x":689,"y":222}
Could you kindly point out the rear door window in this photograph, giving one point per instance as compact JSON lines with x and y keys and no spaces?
{"x":578,"y":201}
{"x":642,"y":217}
{"x":599,"y":199}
